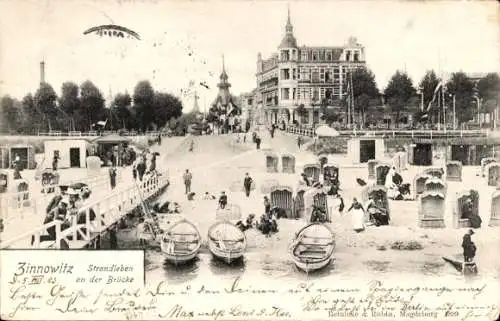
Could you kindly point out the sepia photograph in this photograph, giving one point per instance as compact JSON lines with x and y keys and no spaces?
{"x":343,"y":156}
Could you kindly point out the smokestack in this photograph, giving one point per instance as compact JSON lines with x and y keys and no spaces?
{"x":42,"y":72}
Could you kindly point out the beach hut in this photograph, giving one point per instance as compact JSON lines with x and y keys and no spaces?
{"x":484,"y":162}
{"x":420,"y":154}
{"x":26,"y":154}
{"x":435,"y":172}
{"x":288,"y":163}
{"x":282,"y":198}
{"x":454,"y":171}
{"x":495,"y":209}
{"x":419,"y":184}
{"x":271,"y":162}
{"x":371,"y":168}
{"x":431,"y":210}
{"x":315,"y":197}
{"x":298,"y":202}
{"x":379,"y":194}
{"x":434,"y":184}
{"x":493,"y":174}
{"x":72,"y":152}
{"x":266,"y":185}
{"x":312,"y":171}
{"x":381,"y":171}
{"x":362,"y":149}
{"x":458,"y":220}
{"x":330,"y":172}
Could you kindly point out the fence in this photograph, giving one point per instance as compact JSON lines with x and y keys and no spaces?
{"x":109,"y":210}
{"x":396,"y":133}
{"x":101,"y":133}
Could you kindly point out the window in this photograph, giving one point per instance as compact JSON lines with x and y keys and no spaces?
{"x":294,"y":93}
{"x":329,"y":55}
{"x":322,"y":93}
{"x":303,"y":55}
{"x":328,"y":76}
{"x":298,"y":73}
{"x":285,"y":74}
{"x":322,"y":74}
{"x":315,"y":55}
{"x":328,"y":93}
{"x":315,"y":95}
{"x":285,"y":93}
{"x":348,"y":55}
{"x":285,"y":55}
{"x":294,"y":74}
{"x":356,"y":56}
{"x":315,"y":75}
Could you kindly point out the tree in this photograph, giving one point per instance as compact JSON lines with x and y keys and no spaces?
{"x":45,"y":103}
{"x":144,"y":96}
{"x":30,"y":116}
{"x":92,"y":104}
{"x":488,"y":89}
{"x":364,"y":90}
{"x":120,"y":110}
{"x":399,"y":92}
{"x":10,"y":113}
{"x":428,"y":85}
{"x":69,"y":103}
{"x":462,"y":88}
{"x":166,"y":106}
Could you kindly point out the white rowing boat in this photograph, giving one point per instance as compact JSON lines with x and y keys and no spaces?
{"x":312,"y":248}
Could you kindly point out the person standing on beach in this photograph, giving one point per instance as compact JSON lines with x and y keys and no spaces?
{"x":468,"y":246}
{"x":187,"y":177}
{"x":223,"y":200}
{"x":258,"y":141}
{"x":112,"y":177}
{"x":358,"y":216}
{"x":247,"y":184}
{"x":299,"y":141}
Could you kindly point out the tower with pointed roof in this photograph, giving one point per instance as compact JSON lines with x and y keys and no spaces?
{"x":224,"y":101}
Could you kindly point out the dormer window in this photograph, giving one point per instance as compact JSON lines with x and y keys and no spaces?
{"x":348,"y":56}
{"x":356,"y":56}
{"x":315,"y":55}
{"x":303,"y":55}
{"x":329,"y":55}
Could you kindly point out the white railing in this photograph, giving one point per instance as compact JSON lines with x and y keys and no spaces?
{"x":103,"y":133}
{"x":109,"y":209}
{"x":396,"y":133}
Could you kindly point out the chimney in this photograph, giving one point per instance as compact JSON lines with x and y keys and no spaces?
{"x":42,"y":72}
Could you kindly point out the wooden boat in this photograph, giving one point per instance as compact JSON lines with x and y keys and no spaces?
{"x":463,"y":267}
{"x":181,"y":242}
{"x":226,"y":242}
{"x":312,"y":247}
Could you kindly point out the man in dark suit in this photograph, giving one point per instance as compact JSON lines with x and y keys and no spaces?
{"x":469,"y":247}
{"x":247,"y":184}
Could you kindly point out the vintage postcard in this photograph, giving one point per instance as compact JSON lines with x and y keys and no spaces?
{"x":249,"y":160}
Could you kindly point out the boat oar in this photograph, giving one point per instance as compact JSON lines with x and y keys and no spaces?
{"x":456,"y":264}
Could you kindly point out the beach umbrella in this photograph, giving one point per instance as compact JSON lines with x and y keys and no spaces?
{"x":326,"y":131}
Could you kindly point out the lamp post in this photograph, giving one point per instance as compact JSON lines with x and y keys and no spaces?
{"x":454,"y":111}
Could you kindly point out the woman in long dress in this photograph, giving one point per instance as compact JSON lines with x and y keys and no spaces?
{"x":358,"y":216}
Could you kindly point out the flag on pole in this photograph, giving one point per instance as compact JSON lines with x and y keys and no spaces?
{"x":439,"y":86}
{"x":102,"y":123}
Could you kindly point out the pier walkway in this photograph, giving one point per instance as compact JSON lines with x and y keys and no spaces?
{"x":24,"y":213}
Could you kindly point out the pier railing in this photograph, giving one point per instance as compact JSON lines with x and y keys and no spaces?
{"x":107,"y":211}
{"x":395,"y":133}
{"x":19,"y":204}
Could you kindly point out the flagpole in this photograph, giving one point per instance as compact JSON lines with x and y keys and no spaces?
{"x":444,"y":110}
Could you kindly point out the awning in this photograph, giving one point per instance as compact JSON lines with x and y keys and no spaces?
{"x":326,"y":131}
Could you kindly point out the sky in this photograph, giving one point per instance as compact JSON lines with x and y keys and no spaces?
{"x":182,"y":42}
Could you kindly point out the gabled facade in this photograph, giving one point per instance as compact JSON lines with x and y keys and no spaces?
{"x":304,"y":75}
